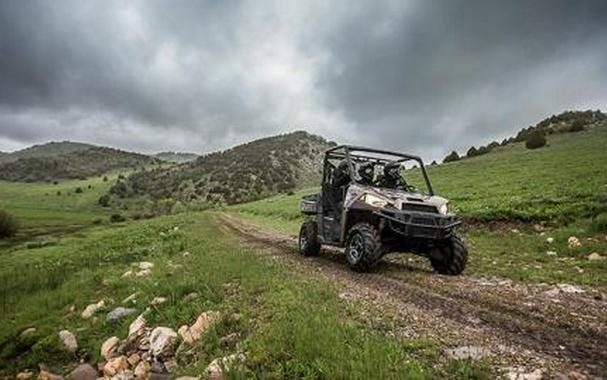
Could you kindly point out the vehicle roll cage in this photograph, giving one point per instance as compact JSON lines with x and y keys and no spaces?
{"x":347,"y":152}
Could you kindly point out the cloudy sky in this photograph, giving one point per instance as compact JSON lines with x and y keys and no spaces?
{"x":422,"y":76}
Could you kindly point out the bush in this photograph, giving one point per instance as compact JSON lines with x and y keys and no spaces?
{"x":78,"y":190}
{"x":97,"y":221}
{"x":104,"y":200}
{"x":104,"y":178}
{"x":453,"y":156}
{"x":8,"y":225}
{"x":534,"y":140}
{"x":599,"y":223}
{"x":117,"y":218}
{"x":576,"y":126}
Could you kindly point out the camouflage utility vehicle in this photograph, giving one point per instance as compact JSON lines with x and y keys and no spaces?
{"x":367,"y":206}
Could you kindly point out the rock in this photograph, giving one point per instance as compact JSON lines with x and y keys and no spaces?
{"x":118,"y":313}
{"x":92,"y":309}
{"x":521,"y":374}
{"x":69,"y":340}
{"x":142,"y":370}
{"x":109,"y":348}
{"x":170,"y":365}
{"x":124,"y":375}
{"x":217,"y":366}
{"x":190,"y":297}
{"x":191,"y":334}
{"x":229,"y":340}
{"x":163,"y":341}
{"x":46,"y":375}
{"x":25,"y":375}
{"x":158,"y":301}
{"x":187,"y":378}
{"x":115,"y":366}
{"x":185,"y":254}
{"x":551,"y":253}
{"x":84,"y":371}
{"x":567,"y":288}
{"x":595,"y":257}
{"x":143,"y":273}
{"x":25,"y":334}
{"x":574,"y":242}
{"x":131,"y":298}
{"x":550,"y":240}
{"x":145,"y":265}
{"x":538,"y":227}
{"x":128,"y":273}
{"x":515,"y":231}
{"x":134,"y":359}
{"x":137,"y":327}
{"x":467,"y":352}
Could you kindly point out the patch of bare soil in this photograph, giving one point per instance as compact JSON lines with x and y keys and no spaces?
{"x":522,"y":329}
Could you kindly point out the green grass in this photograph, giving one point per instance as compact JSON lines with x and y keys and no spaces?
{"x":292,"y":326}
{"x":41,"y":210}
{"x":563,"y":185}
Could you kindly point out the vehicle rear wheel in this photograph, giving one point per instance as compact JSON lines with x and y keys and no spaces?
{"x":308,"y":239}
{"x":449,"y":258}
{"x":363,"y":247}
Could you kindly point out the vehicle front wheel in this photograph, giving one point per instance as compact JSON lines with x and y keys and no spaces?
{"x":450,"y":257}
{"x":308,"y":239}
{"x":363,"y":247}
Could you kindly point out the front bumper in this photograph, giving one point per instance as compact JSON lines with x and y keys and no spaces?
{"x":421,"y":225}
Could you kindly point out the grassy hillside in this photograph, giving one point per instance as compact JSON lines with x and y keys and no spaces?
{"x":64,"y":164}
{"x":250,"y":171}
{"x":561,"y":188}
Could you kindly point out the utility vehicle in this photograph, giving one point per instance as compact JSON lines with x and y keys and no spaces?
{"x":368,"y":206}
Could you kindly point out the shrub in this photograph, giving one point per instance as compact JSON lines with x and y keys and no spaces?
{"x":58,"y":192}
{"x":55,"y":183}
{"x":453,"y":156}
{"x":97,"y":221}
{"x":8,"y":225}
{"x":534,"y":140}
{"x":105,"y":178}
{"x":78,"y":190}
{"x":104,"y":200}
{"x":599,"y":223}
{"x":117,"y":218}
{"x":576,"y":126}
{"x":472,"y":152}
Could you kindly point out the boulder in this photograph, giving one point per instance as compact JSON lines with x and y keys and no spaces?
{"x":83,"y":372}
{"x":145,"y":265}
{"x":218,"y":366}
{"x":25,"y":375}
{"x":134,"y":359}
{"x":115,"y":366}
{"x":68,"y":340}
{"x":574,"y":242}
{"x":118,"y":313}
{"x":595,"y":257}
{"x":137,"y":327}
{"x":143,"y":273}
{"x":163,"y":341}
{"x":109,"y":348}
{"x":170,"y":365}
{"x":191,"y":334}
{"x":142,"y":370}
{"x":46,"y":375}
{"x":92,"y":309}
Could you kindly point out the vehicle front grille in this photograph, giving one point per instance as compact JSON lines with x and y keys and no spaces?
{"x":419,"y":207}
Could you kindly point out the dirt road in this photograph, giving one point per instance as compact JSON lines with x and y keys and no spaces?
{"x":524,"y":330}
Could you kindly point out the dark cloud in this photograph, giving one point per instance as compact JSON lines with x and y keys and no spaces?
{"x":426,"y":76}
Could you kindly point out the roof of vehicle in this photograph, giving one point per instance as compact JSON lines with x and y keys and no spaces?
{"x":371,"y":150}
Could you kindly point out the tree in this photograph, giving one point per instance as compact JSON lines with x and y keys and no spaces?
{"x":472,"y":152}
{"x":535,"y":140}
{"x":453,"y":156}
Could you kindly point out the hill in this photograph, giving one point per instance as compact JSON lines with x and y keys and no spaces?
{"x":50,"y":149}
{"x":249,"y":171}
{"x":176,"y":157}
{"x":58,"y":161}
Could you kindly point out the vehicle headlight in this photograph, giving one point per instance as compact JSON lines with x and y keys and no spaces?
{"x":444,"y":209}
{"x":375,"y":201}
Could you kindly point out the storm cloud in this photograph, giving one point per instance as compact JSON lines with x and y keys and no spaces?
{"x":422,"y":76}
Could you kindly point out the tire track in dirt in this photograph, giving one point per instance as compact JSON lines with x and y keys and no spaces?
{"x":519,"y":324}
